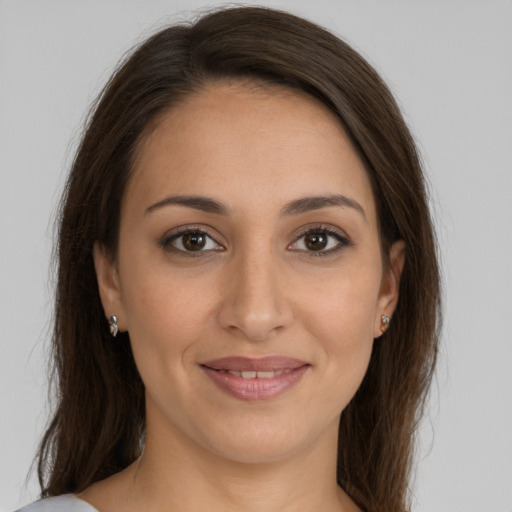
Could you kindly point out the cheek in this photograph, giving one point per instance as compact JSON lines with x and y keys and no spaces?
{"x":166,"y":314}
{"x":167,"y":321}
{"x":342,"y":305}
{"x":339,"y":315}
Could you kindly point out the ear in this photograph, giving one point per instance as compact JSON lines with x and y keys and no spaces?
{"x":388,"y":296}
{"x":107,"y":275}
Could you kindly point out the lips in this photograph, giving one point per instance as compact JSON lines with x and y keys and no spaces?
{"x":264,"y":364}
{"x":255,"y":379}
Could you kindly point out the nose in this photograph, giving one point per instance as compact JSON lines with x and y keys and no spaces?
{"x":255,"y":302}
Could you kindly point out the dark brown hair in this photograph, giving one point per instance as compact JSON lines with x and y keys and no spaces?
{"x":98,"y":426}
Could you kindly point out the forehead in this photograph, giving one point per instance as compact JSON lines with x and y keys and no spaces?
{"x":249,"y":144}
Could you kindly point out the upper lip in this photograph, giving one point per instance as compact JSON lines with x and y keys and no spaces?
{"x":262,"y":364}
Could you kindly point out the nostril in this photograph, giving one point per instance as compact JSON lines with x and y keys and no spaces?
{"x":254,"y":305}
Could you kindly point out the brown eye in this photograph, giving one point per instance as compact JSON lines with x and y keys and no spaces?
{"x":194,"y":241}
{"x":320,"y":242}
{"x":191,"y":241}
{"x":316,"y":241}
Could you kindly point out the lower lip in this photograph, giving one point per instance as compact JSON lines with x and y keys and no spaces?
{"x":255,"y":389}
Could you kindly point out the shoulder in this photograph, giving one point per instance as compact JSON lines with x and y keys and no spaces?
{"x":64,"y":503}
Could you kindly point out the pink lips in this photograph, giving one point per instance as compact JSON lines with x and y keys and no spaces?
{"x":262,"y":378}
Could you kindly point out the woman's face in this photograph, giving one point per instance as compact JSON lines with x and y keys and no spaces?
{"x":248,"y":243}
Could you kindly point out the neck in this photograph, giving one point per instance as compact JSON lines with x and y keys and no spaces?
{"x":177,"y":474}
{"x":215,"y":484}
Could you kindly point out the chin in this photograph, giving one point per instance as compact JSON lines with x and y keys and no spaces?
{"x":266,"y":442}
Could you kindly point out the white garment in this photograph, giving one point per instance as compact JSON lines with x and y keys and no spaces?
{"x":64,"y":503}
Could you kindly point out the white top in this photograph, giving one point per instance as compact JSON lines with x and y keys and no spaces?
{"x":64,"y":503}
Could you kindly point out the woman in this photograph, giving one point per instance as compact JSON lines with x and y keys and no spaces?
{"x":248,"y":294}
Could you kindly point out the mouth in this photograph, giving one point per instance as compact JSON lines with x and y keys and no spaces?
{"x":250,"y":374}
{"x":255,"y":379}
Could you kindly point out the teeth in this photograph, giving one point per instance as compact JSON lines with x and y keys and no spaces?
{"x":265,"y":375}
{"x":254,"y":375}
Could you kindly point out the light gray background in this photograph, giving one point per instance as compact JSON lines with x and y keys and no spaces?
{"x":450,"y":65}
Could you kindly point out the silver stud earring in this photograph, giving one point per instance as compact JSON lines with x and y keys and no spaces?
{"x":385,"y":323}
{"x":112,"y":323}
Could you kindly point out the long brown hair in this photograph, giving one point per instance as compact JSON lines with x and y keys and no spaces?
{"x":98,"y":426}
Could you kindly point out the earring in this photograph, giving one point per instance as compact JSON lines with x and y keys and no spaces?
{"x":385,"y":323}
{"x":112,"y":323}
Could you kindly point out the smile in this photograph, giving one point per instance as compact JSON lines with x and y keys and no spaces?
{"x":255,"y":375}
{"x":255,"y":379}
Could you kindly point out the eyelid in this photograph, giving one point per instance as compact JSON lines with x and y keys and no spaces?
{"x":329,"y":230}
{"x":175,"y":233}
{"x":342,"y":238}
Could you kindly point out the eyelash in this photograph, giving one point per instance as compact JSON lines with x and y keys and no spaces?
{"x":166,"y":243}
{"x":342,"y":240}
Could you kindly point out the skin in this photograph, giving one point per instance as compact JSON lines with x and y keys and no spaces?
{"x":256,"y":289}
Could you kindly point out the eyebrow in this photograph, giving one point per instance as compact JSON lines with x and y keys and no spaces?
{"x":204,"y":204}
{"x":296,"y":207}
{"x":307,"y":204}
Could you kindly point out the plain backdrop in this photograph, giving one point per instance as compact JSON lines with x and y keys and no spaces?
{"x":450,"y":65}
